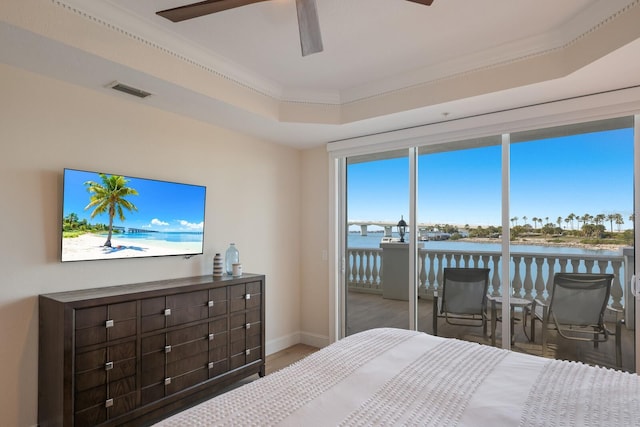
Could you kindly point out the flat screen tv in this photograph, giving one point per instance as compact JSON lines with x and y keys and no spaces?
{"x":108,"y":216}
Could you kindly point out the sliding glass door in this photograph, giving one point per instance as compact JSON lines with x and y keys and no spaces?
{"x":572,"y":205}
{"x":458,"y":204}
{"x":376,"y":256}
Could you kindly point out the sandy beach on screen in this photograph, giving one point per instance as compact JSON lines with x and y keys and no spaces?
{"x":90,"y":246}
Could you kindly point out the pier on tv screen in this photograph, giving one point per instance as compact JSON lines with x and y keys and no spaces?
{"x":108,"y":216}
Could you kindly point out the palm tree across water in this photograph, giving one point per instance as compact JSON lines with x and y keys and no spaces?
{"x":109,"y":197}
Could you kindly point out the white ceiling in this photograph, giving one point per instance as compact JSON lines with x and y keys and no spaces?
{"x":374,"y":51}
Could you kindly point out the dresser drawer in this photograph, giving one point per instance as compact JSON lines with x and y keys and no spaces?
{"x":219,"y":301}
{"x":187,"y":380}
{"x":218,"y":332}
{"x":188,"y":361}
{"x":245,"y":296}
{"x":102,"y":412}
{"x":99,"y":367}
{"x":100,"y":324}
{"x":174,"y":310}
{"x":98,"y":395}
{"x":247,"y":356}
{"x":238,"y":320}
{"x":185,"y":335}
{"x":187,"y":307}
{"x":100,"y":376}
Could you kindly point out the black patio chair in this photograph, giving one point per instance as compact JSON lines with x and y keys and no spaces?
{"x":464,"y":298}
{"x":576,"y":310}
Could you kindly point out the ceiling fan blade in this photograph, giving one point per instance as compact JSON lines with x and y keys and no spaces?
{"x":424,"y":2}
{"x":202,"y":8}
{"x":309,"y":26}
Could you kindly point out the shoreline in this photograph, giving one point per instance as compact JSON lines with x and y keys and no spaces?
{"x":89,"y":246}
{"x":533,"y":241}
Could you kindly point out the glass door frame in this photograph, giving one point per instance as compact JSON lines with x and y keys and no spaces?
{"x":636,"y":233}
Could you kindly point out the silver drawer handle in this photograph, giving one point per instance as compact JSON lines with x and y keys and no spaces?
{"x":108,"y":366}
{"x":108,"y":324}
{"x":247,"y":296}
{"x":108,"y":403}
{"x":210,"y":337}
{"x":167,"y":381}
{"x":210,"y":303}
{"x":167,"y":312}
{"x":248,"y":326}
{"x":247,"y":352}
{"x":210,"y":365}
{"x":167,"y":349}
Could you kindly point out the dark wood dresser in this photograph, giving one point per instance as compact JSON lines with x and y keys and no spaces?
{"x":132,"y":354}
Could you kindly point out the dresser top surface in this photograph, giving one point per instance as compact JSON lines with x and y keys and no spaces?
{"x":181,"y":284}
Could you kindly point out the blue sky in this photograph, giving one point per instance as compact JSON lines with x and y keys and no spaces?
{"x":588,"y":173}
{"x":162,"y":206}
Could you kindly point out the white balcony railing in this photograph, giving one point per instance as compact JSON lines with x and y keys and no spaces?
{"x":531,"y":273}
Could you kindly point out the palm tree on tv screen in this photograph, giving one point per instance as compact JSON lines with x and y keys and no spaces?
{"x":109,"y":197}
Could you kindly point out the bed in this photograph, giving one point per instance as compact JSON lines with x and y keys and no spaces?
{"x":398,"y":377}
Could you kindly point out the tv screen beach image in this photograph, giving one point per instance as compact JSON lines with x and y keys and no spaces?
{"x":107,"y":216}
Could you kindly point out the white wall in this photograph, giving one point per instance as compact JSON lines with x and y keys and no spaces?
{"x":253,"y":199}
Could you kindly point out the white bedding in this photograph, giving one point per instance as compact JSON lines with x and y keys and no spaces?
{"x":399,"y":377}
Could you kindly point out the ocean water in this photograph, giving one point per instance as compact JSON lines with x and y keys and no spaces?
{"x":173,"y":237}
{"x":372,"y":240}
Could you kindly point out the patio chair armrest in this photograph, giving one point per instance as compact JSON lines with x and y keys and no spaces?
{"x":616,"y":311}
{"x":537,"y":301}
{"x":542,"y":311}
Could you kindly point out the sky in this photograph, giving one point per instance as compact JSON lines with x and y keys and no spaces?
{"x":586,"y":173}
{"x":162,"y":206}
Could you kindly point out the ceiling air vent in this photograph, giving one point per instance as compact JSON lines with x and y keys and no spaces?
{"x":129,"y":90}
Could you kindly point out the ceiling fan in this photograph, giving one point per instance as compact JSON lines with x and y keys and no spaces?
{"x":308,"y":24}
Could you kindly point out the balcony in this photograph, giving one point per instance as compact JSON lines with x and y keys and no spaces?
{"x":531,"y":277}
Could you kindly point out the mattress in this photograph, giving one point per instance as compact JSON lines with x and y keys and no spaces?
{"x":398,"y":377}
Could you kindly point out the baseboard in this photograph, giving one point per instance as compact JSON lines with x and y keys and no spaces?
{"x":314,"y":340}
{"x":307,"y":338}
{"x":278,"y":344}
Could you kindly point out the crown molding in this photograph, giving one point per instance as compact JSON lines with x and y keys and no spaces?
{"x":588,"y":21}
{"x":145,"y":31}
{"x":116,"y":19}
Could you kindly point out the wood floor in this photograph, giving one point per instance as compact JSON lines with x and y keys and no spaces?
{"x":366,"y":311}
{"x":286,"y":357}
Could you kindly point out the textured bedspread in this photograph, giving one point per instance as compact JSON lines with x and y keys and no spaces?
{"x":398,"y":377}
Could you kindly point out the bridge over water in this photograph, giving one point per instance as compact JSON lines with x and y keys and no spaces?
{"x":386,"y":225}
{"x":132,"y":230}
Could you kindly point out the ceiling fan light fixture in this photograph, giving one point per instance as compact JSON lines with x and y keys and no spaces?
{"x":308,"y":23}
{"x":424,"y":2}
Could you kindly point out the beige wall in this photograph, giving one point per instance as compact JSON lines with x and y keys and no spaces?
{"x":314,"y":239}
{"x":254,"y":198}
